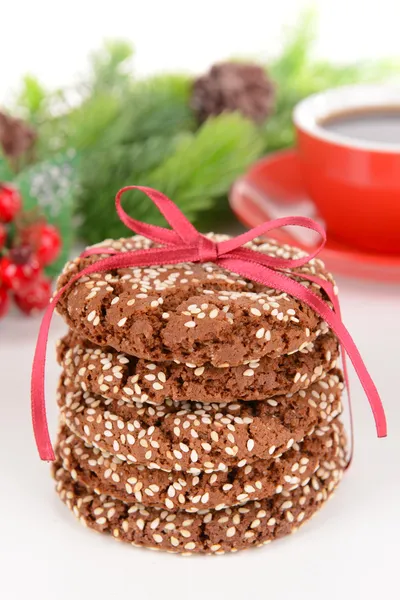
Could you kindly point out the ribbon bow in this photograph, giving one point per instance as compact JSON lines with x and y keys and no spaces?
{"x":183,"y":243}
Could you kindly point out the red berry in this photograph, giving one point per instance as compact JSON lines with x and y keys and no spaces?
{"x":10,"y":202}
{"x":3,"y":236}
{"x":4,"y":302}
{"x":19,"y":268}
{"x":34,"y":298}
{"x":45,"y":241}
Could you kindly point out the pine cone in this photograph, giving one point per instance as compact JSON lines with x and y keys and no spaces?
{"x":16,"y":136}
{"x":233,"y":87}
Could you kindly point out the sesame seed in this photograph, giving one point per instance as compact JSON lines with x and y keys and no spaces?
{"x":122,"y":322}
{"x":185,"y":533}
{"x":91,"y":316}
{"x":248,"y":373}
{"x":249,"y":489}
{"x":190,"y":324}
{"x":289,"y":516}
{"x":190,"y":546}
{"x":300,"y":517}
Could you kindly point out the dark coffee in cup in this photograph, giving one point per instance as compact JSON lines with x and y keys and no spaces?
{"x":377,"y":124}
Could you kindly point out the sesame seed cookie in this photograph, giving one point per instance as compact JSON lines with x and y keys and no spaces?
{"x":119,"y":375}
{"x":207,"y":531}
{"x":177,"y":490}
{"x":197,"y":313}
{"x":191,"y":436}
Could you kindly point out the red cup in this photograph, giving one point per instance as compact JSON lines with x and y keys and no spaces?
{"x":354,"y":183}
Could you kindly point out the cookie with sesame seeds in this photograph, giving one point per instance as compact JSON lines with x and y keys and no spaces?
{"x":192,"y":436}
{"x":198,"y":313}
{"x":208,"y":531}
{"x":119,"y":375}
{"x":177,"y":490}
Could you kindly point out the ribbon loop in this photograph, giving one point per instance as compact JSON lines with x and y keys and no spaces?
{"x":183,"y":243}
{"x":277,"y":262}
{"x":182,"y":229}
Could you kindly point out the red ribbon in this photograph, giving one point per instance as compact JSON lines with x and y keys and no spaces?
{"x":183,"y":243}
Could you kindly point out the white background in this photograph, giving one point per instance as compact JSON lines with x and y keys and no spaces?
{"x":350,"y":549}
{"x":52,"y":39}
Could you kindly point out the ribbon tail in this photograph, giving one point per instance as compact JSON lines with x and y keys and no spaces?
{"x":38,"y":407}
{"x":282,"y":282}
{"x":333,"y":297}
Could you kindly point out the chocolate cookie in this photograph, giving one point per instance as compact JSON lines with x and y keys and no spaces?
{"x":121,"y":376}
{"x":177,"y":490}
{"x":209,"y":531}
{"x":191,"y":436}
{"x":197,"y":313}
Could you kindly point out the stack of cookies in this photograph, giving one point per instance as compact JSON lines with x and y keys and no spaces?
{"x":199,"y":410}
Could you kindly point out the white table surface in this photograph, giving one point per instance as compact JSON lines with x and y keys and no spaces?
{"x":349,"y":550}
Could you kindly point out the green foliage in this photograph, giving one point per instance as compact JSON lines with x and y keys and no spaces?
{"x":157,"y":106}
{"x":103,"y":172}
{"x":195,"y":169}
{"x":204,"y":165}
{"x":51,"y":186}
{"x":32,"y":99}
{"x":5,"y":172}
{"x":110,"y":66}
{"x":76,"y":117}
{"x":153,"y":119}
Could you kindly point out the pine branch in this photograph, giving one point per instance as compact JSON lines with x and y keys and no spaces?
{"x":196,"y":170}
{"x":157,"y":106}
